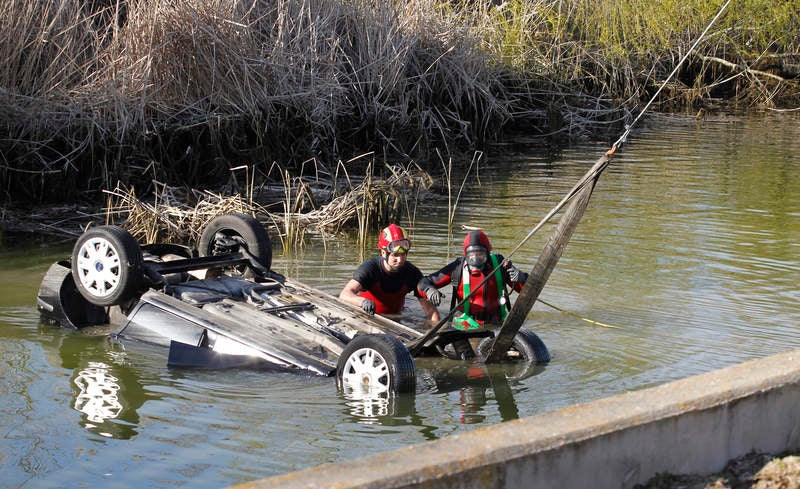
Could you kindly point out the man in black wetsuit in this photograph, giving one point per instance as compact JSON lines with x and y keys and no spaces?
{"x":380,"y":284}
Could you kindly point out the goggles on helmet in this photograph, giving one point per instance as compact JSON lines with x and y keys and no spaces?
{"x":399,"y":246}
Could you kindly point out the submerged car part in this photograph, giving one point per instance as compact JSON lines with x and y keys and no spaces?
{"x":221,"y":306}
{"x":60,"y":302}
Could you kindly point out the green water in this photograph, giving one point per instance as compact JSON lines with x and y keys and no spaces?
{"x":688,"y":255}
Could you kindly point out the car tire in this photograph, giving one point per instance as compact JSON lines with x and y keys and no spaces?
{"x":374,"y":364}
{"x":527,"y":347}
{"x":241,"y":227}
{"x":107,"y":265}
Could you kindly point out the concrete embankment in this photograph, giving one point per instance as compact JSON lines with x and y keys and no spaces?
{"x":693,"y":425}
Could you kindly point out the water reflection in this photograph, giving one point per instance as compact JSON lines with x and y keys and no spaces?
{"x":107,"y":390}
{"x":478,"y":385}
{"x":374,"y":408}
{"x":98,"y":394}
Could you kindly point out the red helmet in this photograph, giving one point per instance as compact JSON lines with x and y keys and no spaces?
{"x":475,"y":240}
{"x":394,"y":239}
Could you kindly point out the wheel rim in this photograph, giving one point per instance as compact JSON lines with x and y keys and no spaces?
{"x":99,"y":267}
{"x":366,"y":372}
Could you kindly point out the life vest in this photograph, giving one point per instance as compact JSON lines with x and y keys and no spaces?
{"x":466,"y":321}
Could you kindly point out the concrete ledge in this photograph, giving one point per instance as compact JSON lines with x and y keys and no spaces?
{"x":694,"y":425}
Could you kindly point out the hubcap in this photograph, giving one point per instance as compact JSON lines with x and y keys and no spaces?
{"x":98,"y":267}
{"x":366,"y":371}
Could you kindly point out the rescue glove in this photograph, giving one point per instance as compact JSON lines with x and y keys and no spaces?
{"x":434,"y":296}
{"x":513,"y":272}
{"x":368,"y":306}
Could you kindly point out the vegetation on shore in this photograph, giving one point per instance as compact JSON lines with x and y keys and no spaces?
{"x":751,"y":471}
{"x":179,"y":215}
{"x":145,"y":91}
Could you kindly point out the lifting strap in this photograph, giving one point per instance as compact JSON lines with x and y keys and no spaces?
{"x":547,"y":261}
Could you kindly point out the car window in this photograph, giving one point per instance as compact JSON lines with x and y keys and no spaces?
{"x":155,"y":325}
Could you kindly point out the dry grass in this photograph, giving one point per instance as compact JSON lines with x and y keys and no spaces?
{"x":96,"y":92}
{"x":177,"y":215}
{"x":751,"y":471}
{"x":151,"y":89}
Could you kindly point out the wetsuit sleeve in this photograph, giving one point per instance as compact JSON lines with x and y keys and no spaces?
{"x":413,"y":277}
{"x":441,"y":277}
{"x":367,"y":274}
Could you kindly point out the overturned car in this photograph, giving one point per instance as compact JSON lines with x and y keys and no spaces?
{"x":221,"y":306}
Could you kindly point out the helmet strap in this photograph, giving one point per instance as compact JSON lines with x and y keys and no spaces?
{"x":385,"y":261}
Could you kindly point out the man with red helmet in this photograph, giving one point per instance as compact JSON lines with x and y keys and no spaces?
{"x":488,"y":302}
{"x":380,"y":284}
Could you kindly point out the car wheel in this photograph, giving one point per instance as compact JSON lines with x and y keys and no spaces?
{"x":374,"y":364}
{"x":228,"y":229}
{"x":107,"y":265}
{"x":527,"y":347}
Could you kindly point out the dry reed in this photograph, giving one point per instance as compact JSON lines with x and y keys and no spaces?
{"x":178,"y":215}
{"x":92,"y":93}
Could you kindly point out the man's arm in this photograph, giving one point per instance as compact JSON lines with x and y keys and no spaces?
{"x":350,"y":293}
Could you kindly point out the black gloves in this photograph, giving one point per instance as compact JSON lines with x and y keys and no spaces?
{"x":434,"y":296}
{"x":368,"y":306}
